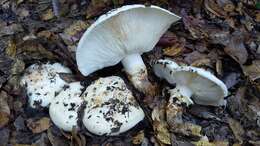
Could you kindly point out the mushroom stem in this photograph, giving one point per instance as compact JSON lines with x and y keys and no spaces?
{"x":137,"y":73}
{"x":182,"y":94}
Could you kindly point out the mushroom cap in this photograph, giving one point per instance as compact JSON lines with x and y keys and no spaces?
{"x":127,"y":30}
{"x":110,"y":107}
{"x":42,"y":82}
{"x":64,"y":107}
{"x":206,"y":88}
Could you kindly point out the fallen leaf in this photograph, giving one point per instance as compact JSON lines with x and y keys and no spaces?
{"x":11,"y":29}
{"x":237,"y":129}
{"x":174,"y":50}
{"x":213,"y":7}
{"x":187,"y":129}
{"x":4,"y":119}
{"x":47,"y":15}
{"x":76,"y":27}
{"x":253,"y":70}
{"x":138,"y":138}
{"x":257,"y":19}
{"x":39,"y":125}
{"x":236,"y":48}
{"x":32,"y":49}
{"x":4,"y":136}
{"x":11,"y":49}
{"x":161,"y":132}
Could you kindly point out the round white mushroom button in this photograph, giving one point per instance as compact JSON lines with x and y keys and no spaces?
{"x":111,"y":108}
{"x":42,"y":82}
{"x":64,"y":108}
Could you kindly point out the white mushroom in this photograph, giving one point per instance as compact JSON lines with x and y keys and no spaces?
{"x":111,"y":108}
{"x":64,"y":107}
{"x":123,"y":35}
{"x":191,"y":82}
{"x":42,"y":82}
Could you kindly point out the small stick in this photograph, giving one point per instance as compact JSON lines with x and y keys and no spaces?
{"x":56,"y":7}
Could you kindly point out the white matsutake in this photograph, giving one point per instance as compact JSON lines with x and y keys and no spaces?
{"x":123,"y":35}
{"x":111,"y":108}
{"x":65,"y":106}
{"x":42,"y":82}
{"x":191,"y":82}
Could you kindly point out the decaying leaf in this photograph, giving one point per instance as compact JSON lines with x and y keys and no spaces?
{"x":76,"y":27}
{"x":5,"y":68}
{"x":253,"y":70}
{"x":4,"y":109}
{"x":187,"y":129}
{"x":138,"y":138}
{"x":31,"y":49}
{"x":96,"y":7}
{"x":236,"y":48}
{"x":237,"y":129}
{"x":47,"y":15}
{"x":11,"y":49}
{"x":56,"y":140}
{"x":161,"y":132}
{"x":39,"y":125}
{"x":10,"y":29}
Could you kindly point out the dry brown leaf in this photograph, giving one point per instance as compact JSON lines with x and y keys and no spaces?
{"x":253,"y":70}
{"x":4,"y":109}
{"x":237,"y":129}
{"x":96,"y":7}
{"x":138,"y":138}
{"x":11,"y":49}
{"x":76,"y":27}
{"x":161,"y":132}
{"x":4,"y":119}
{"x":214,"y":8}
{"x":257,"y":17}
{"x":174,"y":50}
{"x":236,"y":48}
{"x":207,"y":143}
{"x":187,"y":129}
{"x":10,"y":29}
{"x":39,"y":125}
{"x":47,"y":15}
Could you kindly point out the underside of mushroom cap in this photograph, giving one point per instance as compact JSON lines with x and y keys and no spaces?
{"x":127,"y":30}
{"x":64,"y":107}
{"x":111,"y":108}
{"x":205,"y":87}
{"x":42,"y":82}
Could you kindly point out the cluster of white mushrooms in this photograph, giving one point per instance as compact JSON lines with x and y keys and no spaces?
{"x":121,"y":35}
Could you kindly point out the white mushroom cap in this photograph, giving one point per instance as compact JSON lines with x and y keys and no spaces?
{"x":131,"y":29}
{"x":64,"y":107}
{"x":201,"y":85}
{"x":111,"y":108}
{"x":42,"y":82}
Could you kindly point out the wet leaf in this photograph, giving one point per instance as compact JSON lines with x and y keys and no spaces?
{"x":237,"y":129}
{"x":39,"y":125}
{"x":138,"y":138}
{"x":253,"y":70}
